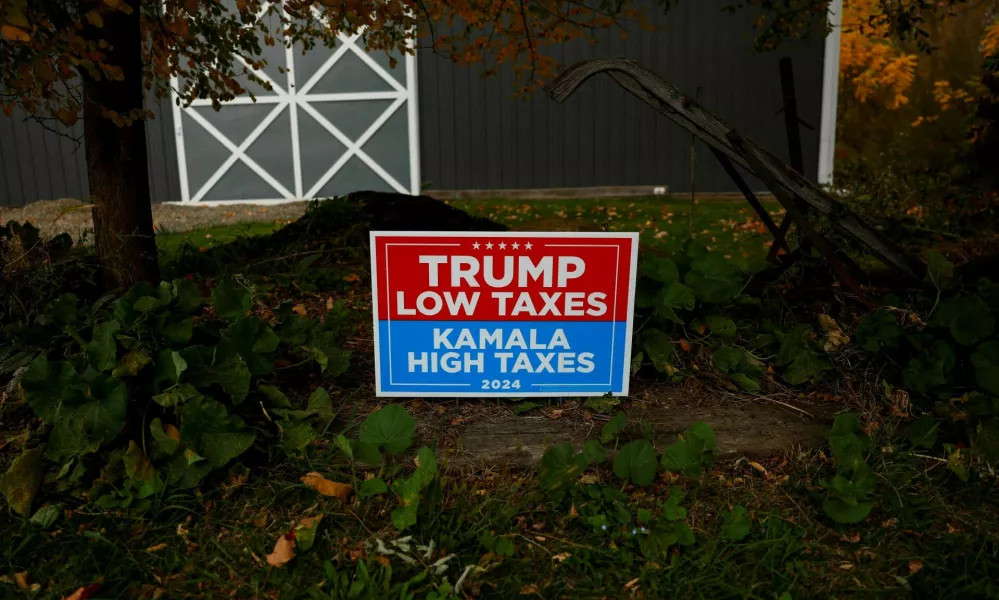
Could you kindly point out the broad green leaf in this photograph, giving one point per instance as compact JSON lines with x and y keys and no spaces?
{"x":408,"y":491}
{"x":523,"y":407}
{"x":102,"y":352}
{"x":124,"y":308}
{"x":842,"y":511}
{"x":594,"y":452}
{"x":847,"y":440}
{"x":47,"y":515}
{"x":613,"y":427}
{"x":94,"y":420}
{"x":230,"y":299}
{"x":147,"y":304}
{"x":703,"y":431}
{"x":343,"y":444}
{"x":745,"y":382}
{"x":559,"y":468}
{"x":602,"y":404}
{"x":923,"y":431}
{"x":713,"y":279}
{"x":276,"y":398}
{"x":692,"y":452}
{"x":187,"y":296}
{"x":186,"y":471}
{"x":176,"y":396}
{"x":166,"y":444}
{"x":673,"y":298}
{"x":66,"y":308}
{"x":672,"y":509}
{"x":636,"y":362}
{"x":793,"y":344}
{"x":305,"y":533}
{"x":169,"y":366}
{"x":46,"y":385}
{"x":179,"y":332}
{"x":878,"y":331}
{"x":939,"y":270}
{"x":255,"y":342}
{"x":333,"y":359}
{"x":372,"y":487}
{"x":737,"y":524}
{"x":207,"y":366}
{"x":806,"y":367}
{"x":636,"y":461}
{"x":662,"y":270}
{"x":296,"y":435}
{"x":931,"y":369}
{"x":132,"y":363}
{"x":426,"y":471}
{"x":206,"y":426}
{"x":390,"y":429}
{"x":320,"y":402}
{"x":22,"y":479}
{"x":986,"y":363}
{"x":659,"y":349}
{"x":141,"y":472}
{"x":968,"y":318}
{"x":722,"y":326}
{"x":366,"y":453}
{"x":727,"y":358}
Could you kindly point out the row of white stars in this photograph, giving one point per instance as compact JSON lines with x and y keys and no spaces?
{"x":502,"y":246}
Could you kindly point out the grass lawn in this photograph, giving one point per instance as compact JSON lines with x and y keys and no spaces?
{"x":169,"y":243}
{"x":728,"y":226}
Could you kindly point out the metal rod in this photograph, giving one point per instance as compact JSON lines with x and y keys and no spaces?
{"x":779,"y":240}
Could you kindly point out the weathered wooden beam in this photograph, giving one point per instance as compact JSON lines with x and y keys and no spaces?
{"x":793,"y":210}
{"x":712,"y":130}
{"x":779,"y":240}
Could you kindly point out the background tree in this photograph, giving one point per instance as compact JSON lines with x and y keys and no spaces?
{"x":96,"y":59}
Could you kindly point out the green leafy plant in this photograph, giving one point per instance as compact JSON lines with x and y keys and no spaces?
{"x":847,"y":500}
{"x":692,"y":453}
{"x":153,"y":361}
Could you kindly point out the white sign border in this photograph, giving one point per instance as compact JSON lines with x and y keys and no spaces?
{"x":626,"y":366}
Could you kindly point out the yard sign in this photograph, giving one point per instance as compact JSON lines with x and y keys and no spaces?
{"x":502,"y":314}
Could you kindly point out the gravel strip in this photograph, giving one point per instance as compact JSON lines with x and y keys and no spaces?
{"x":71,"y":216}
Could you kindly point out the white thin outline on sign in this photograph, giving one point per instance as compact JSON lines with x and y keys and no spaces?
{"x":626,"y":375}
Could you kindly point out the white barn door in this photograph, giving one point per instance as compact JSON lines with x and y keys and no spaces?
{"x":335,"y":121}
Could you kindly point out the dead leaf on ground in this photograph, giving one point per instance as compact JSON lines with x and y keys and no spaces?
{"x":758,"y":467}
{"x":632,"y":583}
{"x":156,"y":548}
{"x":84,"y":592}
{"x":852,"y":538}
{"x":561,"y":557}
{"x":383,"y":560}
{"x":299,"y":309}
{"x":529,"y":589}
{"x":326,"y":487}
{"x":284,"y":551}
{"x":21,"y":579}
{"x":915,"y":566}
{"x":847,"y":566}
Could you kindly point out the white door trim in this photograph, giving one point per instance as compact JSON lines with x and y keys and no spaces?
{"x":830,"y":95}
{"x":296,"y":98}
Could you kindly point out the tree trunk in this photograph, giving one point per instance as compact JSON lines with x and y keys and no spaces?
{"x":116,"y":156}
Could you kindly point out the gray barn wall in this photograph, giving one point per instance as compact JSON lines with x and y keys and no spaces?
{"x":39,"y":164}
{"x":474,"y":135}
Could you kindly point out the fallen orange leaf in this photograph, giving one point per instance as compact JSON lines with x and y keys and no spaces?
{"x":84,"y":592}
{"x":326,"y":487}
{"x":685,"y":345}
{"x":383,"y":561}
{"x":299,"y":309}
{"x":352,"y":277}
{"x":915,"y":566}
{"x":156,"y":548}
{"x":284,"y":551}
{"x":14,"y":34}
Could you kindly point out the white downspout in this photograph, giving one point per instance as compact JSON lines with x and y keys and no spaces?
{"x":830,"y":95}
